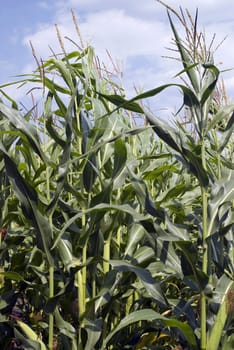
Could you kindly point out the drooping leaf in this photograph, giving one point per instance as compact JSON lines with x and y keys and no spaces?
{"x":151,"y":315}
{"x":131,"y":105}
{"x":164,"y":249}
{"x":120,"y":102}
{"x":20,"y":123}
{"x":27,"y":343}
{"x":29,"y":199}
{"x":49,"y":120}
{"x":194,"y":276}
{"x":195,"y":166}
{"x":211,"y":78}
{"x":66,"y":329}
{"x":93,"y":329}
{"x":164,"y":131}
{"x":145,"y":199}
{"x":125,"y":208}
{"x":151,"y":286}
{"x":31,"y":334}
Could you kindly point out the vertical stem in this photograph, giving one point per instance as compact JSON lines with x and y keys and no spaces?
{"x":205,"y":262}
{"x":204,"y":268}
{"x":84,"y":271}
{"x":118,"y":237}
{"x":106,"y":255}
{"x":51,"y":316}
{"x":81,"y":276}
{"x":204,"y":224}
{"x":216,"y":140}
{"x":81,"y":302}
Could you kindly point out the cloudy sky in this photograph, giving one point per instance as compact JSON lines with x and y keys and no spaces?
{"x":135,"y":32}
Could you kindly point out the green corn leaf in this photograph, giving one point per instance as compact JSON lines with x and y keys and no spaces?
{"x":211,"y":79}
{"x":31,"y":334}
{"x":125,"y":208}
{"x":12,"y":275}
{"x":221,"y":192}
{"x":66,"y":328}
{"x":65,"y":159}
{"x":27,"y":343}
{"x":64,"y":71}
{"x":65,"y":252}
{"x":145,"y":199}
{"x":120,"y":102}
{"x":173,"y":192}
{"x":164,"y":131}
{"x":93,"y":330}
{"x":20,"y":123}
{"x":221,"y":115}
{"x":174,"y":140}
{"x":164,"y":249}
{"x":35,"y":78}
{"x":28,"y":197}
{"x":53,"y":133}
{"x":144,"y":254}
{"x":185,"y":58}
{"x":49,"y":120}
{"x":89,"y":173}
{"x":75,"y":54}
{"x":224,"y":297}
{"x":120,"y":157}
{"x":136,"y":233}
{"x":159,"y":171}
{"x":185,"y":70}
{"x":176,"y":230}
{"x":95,"y":148}
{"x":228,"y":132}
{"x":13,"y":102}
{"x":151,"y":286}
{"x":189,"y":97}
{"x":187,"y":92}
{"x":193,"y":275}
{"x":150,"y":315}
{"x":85,"y":127}
{"x":195,"y":166}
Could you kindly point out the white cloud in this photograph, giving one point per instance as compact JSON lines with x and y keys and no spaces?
{"x":127,"y":36}
{"x":132,"y":30}
{"x":43,"y":5}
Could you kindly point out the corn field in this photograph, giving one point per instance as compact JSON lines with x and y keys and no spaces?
{"x":118,"y":234}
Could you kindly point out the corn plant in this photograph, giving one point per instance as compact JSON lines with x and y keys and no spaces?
{"x":71,"y":214}
{"x":112,"y":237}
{"x":203,"y":154}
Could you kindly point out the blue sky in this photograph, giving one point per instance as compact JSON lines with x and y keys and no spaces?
{"x":135,"y":32}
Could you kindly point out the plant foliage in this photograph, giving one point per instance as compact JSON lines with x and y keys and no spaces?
{"x":115,"y":235}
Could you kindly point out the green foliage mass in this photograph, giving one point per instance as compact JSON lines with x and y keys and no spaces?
{"x":116,"y":234}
